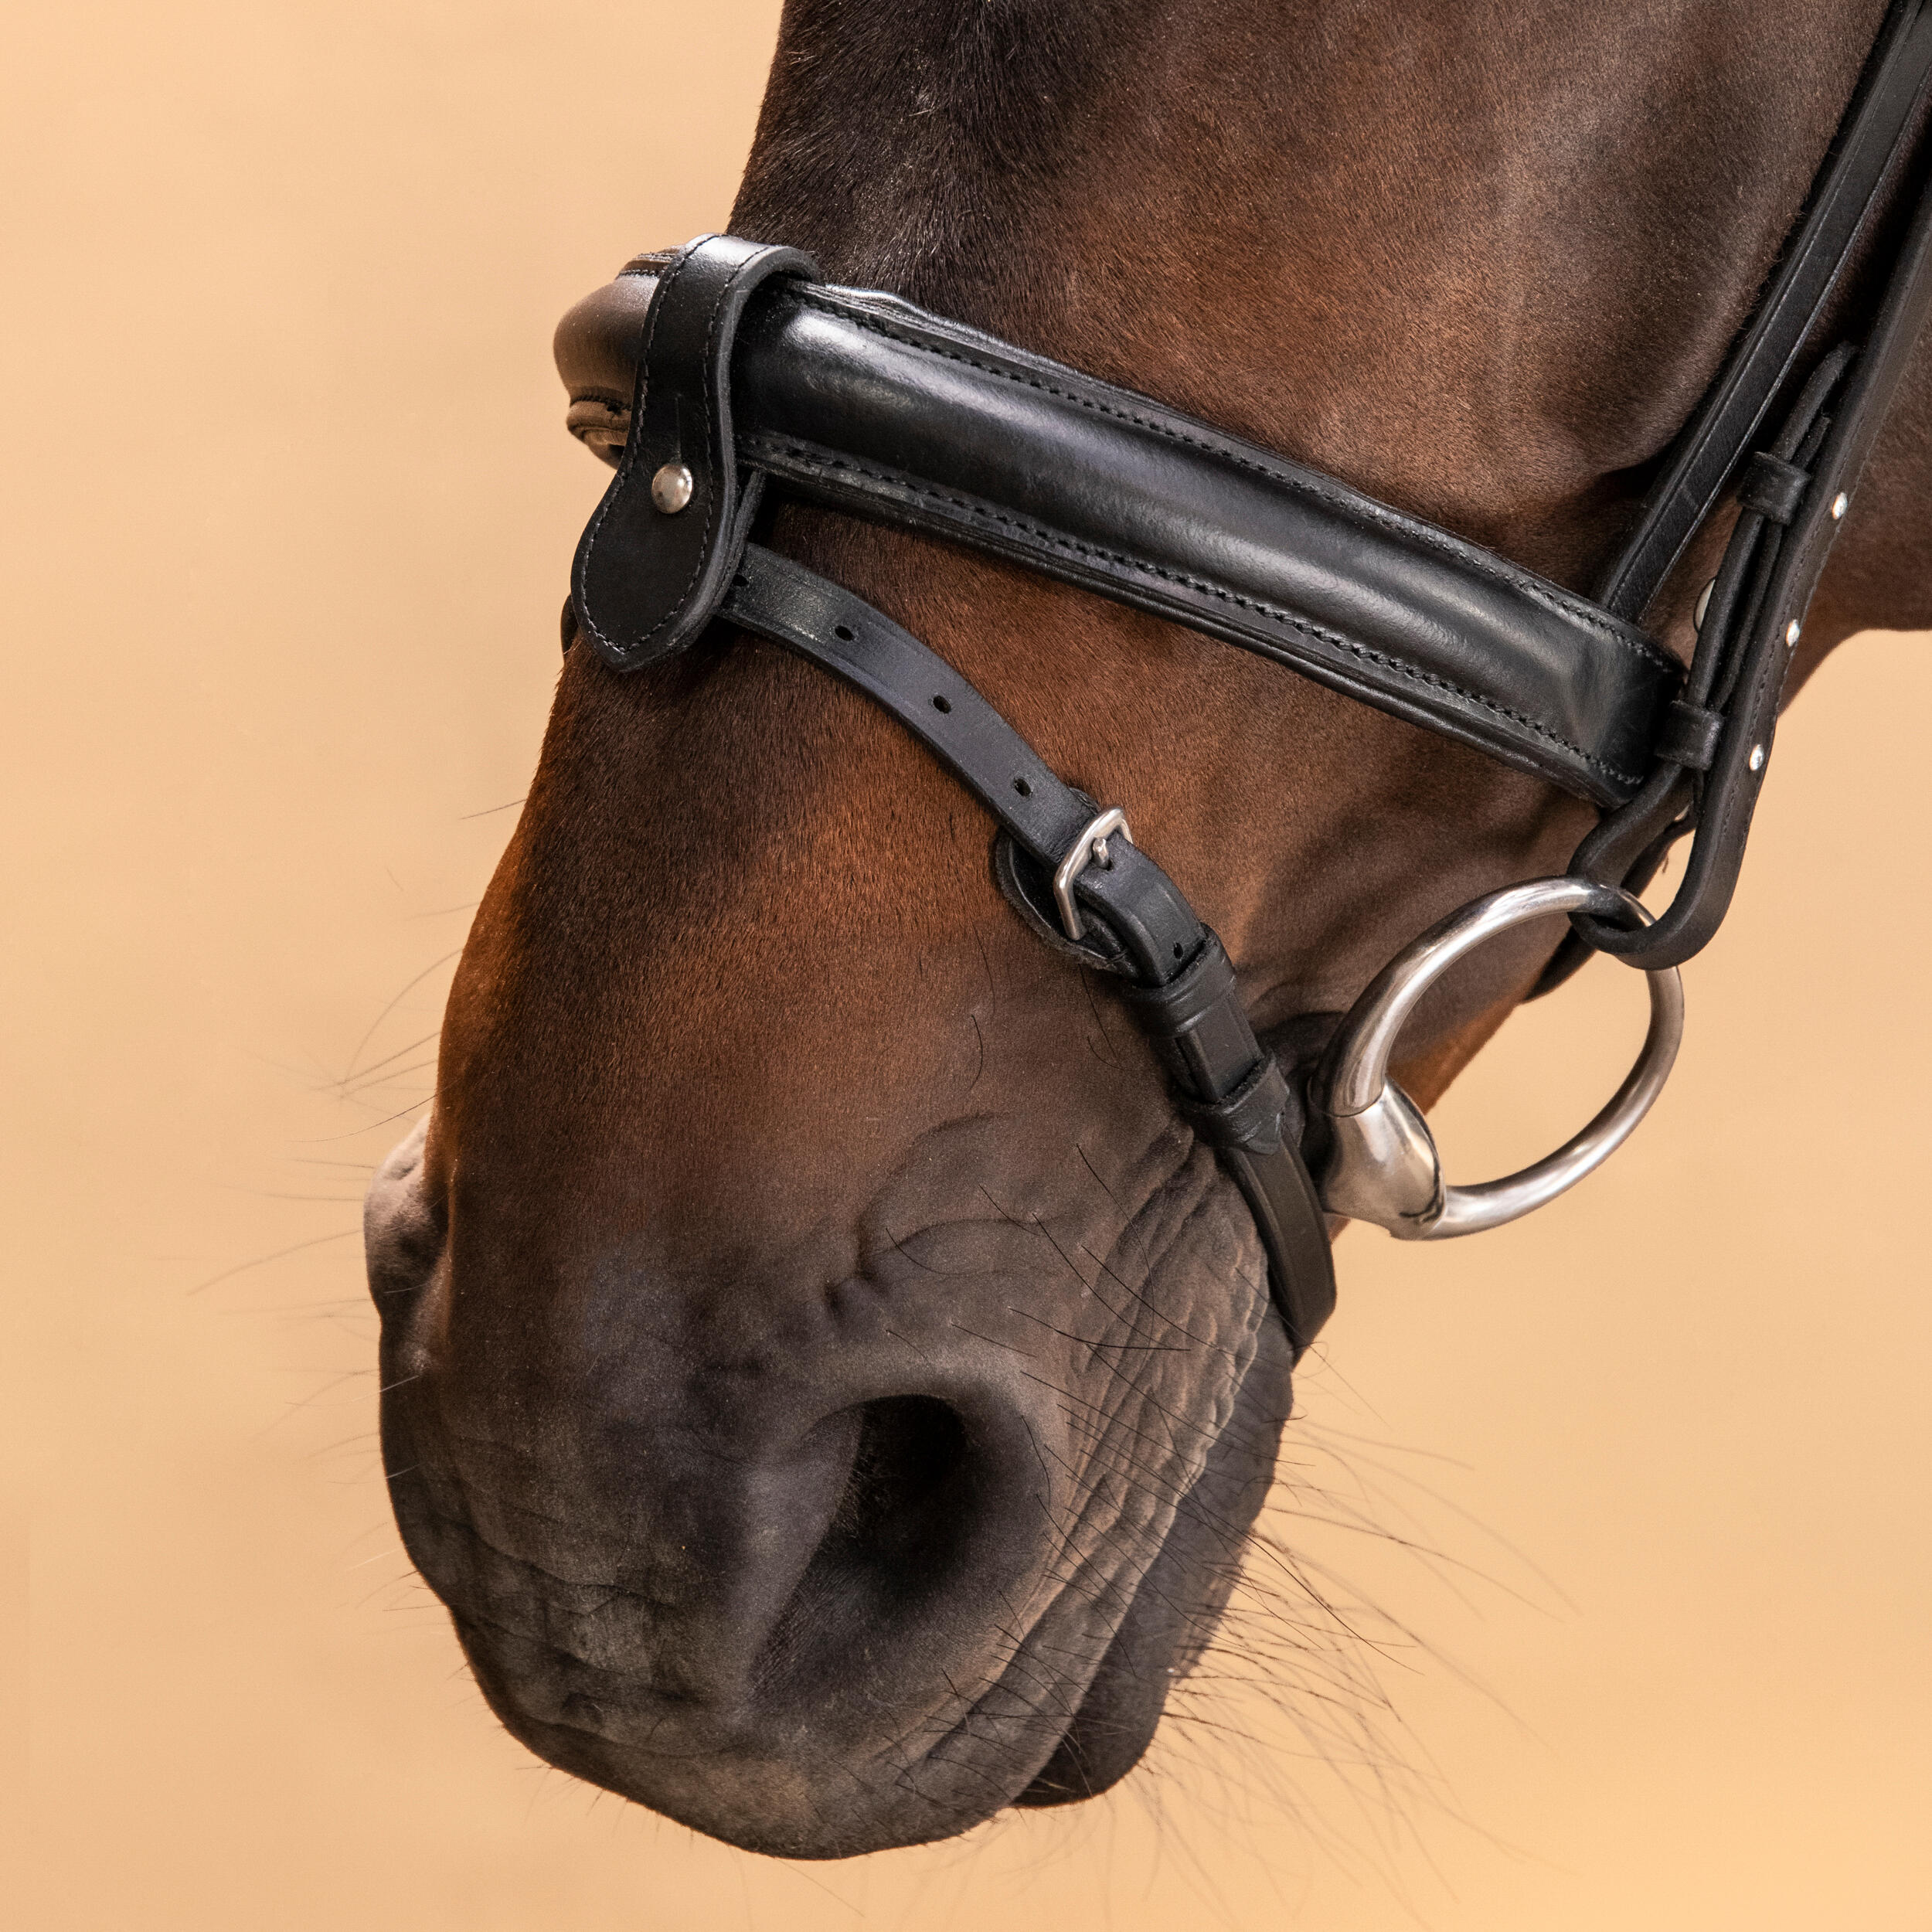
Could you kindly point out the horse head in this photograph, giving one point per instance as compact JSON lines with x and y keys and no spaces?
{"x":827,"y":1379}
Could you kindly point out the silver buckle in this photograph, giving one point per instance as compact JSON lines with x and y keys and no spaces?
{"x":1090,"y":848}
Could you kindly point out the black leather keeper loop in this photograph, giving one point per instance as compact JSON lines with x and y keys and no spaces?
{"x":1687,"y":735}
{"x":649,"y":575}
{"x":1198,"y":1025}
{"x":1250,"y":1119}
{"x":1772,"y":488}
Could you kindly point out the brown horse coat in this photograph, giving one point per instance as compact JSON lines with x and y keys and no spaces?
{"x":828,"y":1384}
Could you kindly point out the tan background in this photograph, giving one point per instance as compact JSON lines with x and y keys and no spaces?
{"x":287,"y":526}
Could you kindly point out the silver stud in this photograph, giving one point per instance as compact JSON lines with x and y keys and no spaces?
{"x":1757,"y":757}
{"x":1840,"y":504}
{"x":671,"y":488}
{"x":1703,"y":604}
{"x":1793,"y":631}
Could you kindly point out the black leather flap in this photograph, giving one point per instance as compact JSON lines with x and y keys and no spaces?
{"x":657,"y":555}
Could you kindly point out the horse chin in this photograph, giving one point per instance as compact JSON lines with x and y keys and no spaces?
{"x":880,"y":1611}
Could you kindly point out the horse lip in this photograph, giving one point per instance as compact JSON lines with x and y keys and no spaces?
{"x":625,"y":1736}
{"x":580,"y":1737}
{"x":590,"y":1714}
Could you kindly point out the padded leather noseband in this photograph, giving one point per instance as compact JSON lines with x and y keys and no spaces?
{"x":857,"y":400}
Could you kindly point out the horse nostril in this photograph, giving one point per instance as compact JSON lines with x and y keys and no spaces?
{"x":902,"y":1495}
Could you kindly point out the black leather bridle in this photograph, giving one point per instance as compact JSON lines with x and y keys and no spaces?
{"x":751,"y":373}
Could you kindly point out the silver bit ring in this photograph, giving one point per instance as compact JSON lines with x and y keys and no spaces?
{"x":1381,"y":1164}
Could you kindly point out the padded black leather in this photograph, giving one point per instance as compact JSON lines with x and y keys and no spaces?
{"x":860,"y":400}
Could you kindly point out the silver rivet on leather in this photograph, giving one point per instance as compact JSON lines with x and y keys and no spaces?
{"x":671,"y":488}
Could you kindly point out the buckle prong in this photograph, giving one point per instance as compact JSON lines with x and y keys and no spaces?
{"x":1090,"y":848}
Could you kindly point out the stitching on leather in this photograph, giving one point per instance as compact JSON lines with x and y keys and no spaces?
{"x":719,"y":482}
{"x":811,"y":460}
{"x":1552,"y":596}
